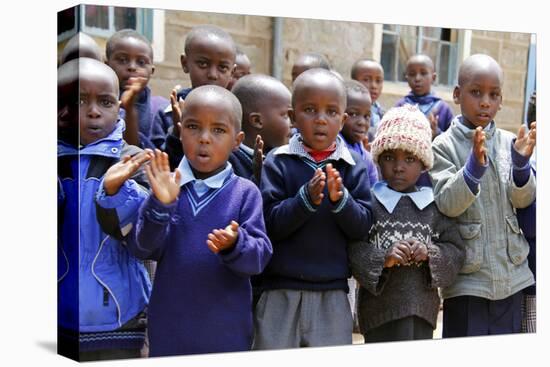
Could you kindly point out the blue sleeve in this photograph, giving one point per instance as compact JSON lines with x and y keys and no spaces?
{"x":117,"y":214}
{"x":521,"y":168}
{"x":445,"y":117}
{"x":152,"y":228}
{"x":160,"y":122}
{"x":253,"y":249}
{"x":353,"y":211}
{"x":473,"y":172}
{"x":283,"y":214}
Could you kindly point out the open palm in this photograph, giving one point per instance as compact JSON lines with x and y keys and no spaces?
{"x":164,"y":184}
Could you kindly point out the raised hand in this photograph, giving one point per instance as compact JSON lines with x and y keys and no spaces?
{"x":131,"y":91}
{"x":177,"y":108}
{"x":366,"y":143}
{"x":398,"y":254}
{"x":316,"y":185}
{"x":258,"y":158}
{"x":419,"y":251}
{"x":479,"y":149}
{"x":433,"y":117}
{"x":334,"y":184}
{"x":526,"y":141}
{"x":164,"y":184}
{"x":223,"y":239}
{"x":118,"y":173}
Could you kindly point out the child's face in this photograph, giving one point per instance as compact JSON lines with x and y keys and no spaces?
{"x":319,"y":113}
{"x":358,"y":122}
{"x":276,"y":122}
{"x":208,"y":135}
{"x":131,"y":57}
{"x":420,"y":76}
{"x":372,"y":77}
{"x":242,"y":68}
{"x":400,"y":169}
{"x":98,"y":105}
{"x":479,"y":97}
{"x":210,"y":61}
{"x":67,"y":105}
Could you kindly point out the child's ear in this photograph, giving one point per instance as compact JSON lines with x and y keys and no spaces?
{"x":456,"y":95}
{"x":434,"y":77}
{"x":238,"y":140}
{"x":344,"y":119}
{"x":183,"y":61}
{"x":255,"y":120}
{"x":291,"y":116}
{"x":152,"y":69}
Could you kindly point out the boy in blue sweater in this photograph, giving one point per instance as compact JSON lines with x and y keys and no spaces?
{"x":265,"y":102}
{"x":420,"y":74}
{"x":204,"y":227}
{"x":131,"y":56}
{"x":103,"y":290}
{"x":316,"y":199}
{"x":209,"y":59}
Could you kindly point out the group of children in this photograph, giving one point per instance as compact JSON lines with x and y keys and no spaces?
{"x":256,"y":204}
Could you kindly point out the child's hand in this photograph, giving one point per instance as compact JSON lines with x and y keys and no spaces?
{"x":398,"y":254}
{"x":165,"y":185}
{"x":177,"y":107}
{"x":419,"y":251}
{"x":334,"y":184}
{"x":223,"y":239}
{"x":433,"y":117}
{"x":131,"y":91}
{"x":480,"y":151}
{"x":118,"y":173}
{"x":366,"y":143}
{"x":316,"y":185}
{"x":525,"y":142}
{"x":258,"y":158}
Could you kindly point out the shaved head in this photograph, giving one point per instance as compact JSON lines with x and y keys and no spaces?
{"x":421,"y":59}
{"x":320,"y":78}
{"x":478,"y":63}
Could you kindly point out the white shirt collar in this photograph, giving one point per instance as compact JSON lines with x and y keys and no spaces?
{"x":389,"y":198}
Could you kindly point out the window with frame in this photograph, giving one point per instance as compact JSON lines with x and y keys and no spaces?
{"x":400,"y":42}
{"x":103,"y":21}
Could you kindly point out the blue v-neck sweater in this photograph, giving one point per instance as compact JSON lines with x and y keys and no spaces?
{"x":201,"y":301}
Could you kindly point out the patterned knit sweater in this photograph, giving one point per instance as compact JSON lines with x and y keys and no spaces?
{"x":388,"y":294}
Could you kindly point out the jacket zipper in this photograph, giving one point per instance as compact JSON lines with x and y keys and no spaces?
{"x":105,"y":286}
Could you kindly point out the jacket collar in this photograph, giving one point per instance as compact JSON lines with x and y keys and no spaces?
{"x":458,"y":126}
{"x":109,"y":146}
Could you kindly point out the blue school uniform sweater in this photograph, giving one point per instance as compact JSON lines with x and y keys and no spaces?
{"x":430,"y":103}
{"x":152,"y":132}
{"x":310,"y":241}
{"x":201,"y":301}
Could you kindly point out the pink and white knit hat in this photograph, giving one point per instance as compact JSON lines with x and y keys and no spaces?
{"x":404,"y":128}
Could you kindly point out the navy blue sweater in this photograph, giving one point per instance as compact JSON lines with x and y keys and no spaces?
{"x":310,"y":242}
{"x":201,"y":301}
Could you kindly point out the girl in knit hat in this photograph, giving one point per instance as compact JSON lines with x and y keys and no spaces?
{"x":412,"y":249}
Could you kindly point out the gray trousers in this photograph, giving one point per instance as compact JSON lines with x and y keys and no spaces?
{"x":286,"y":318}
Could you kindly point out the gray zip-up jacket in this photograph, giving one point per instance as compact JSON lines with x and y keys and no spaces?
{"x":496,"y":250}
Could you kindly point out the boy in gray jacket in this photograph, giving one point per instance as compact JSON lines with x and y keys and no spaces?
{"x":481,"y":174}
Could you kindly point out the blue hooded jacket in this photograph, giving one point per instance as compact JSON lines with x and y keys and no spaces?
{"x":101,"y":286}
